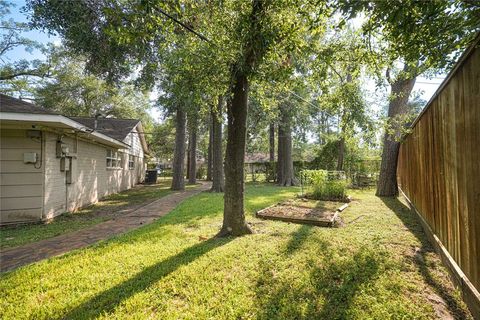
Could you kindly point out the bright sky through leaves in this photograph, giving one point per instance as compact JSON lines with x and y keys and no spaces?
{"x":427,"y":86}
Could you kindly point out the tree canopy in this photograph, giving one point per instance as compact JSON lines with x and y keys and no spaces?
{"x":287,"y":61}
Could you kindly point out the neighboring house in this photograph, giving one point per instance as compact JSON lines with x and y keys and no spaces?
{"x":51,"y":163}
{"x":257,"y":157}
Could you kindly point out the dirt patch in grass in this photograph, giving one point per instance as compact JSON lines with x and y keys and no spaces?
{"x":306,"y":211}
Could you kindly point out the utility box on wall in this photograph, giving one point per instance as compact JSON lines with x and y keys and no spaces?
{"x":30,"y":157}
{"x":61,"y":149}
{"x":65,"y":164}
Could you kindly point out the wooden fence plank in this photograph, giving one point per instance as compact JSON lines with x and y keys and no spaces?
{"x":439,"y":165}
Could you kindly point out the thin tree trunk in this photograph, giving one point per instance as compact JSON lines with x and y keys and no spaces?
{"x":192,"y":143}
{"x":178,"y":181}
{"x":341,"y":154}
{"x":187,"y":173}
{"x":271,"y":175}
{"x":387,"y":181}
{"x":233,"y":214}
{"x":343,"y":125}
{"x":288,"y":173}
{"x":272,"y":142}
{"x":218,"y":184}
{"x":280,"y":154}
{"x":210,"y":148}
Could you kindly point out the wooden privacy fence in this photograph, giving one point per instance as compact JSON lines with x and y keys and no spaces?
{"x":439,"y":166}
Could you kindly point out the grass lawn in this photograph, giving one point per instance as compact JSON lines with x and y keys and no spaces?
{"x":378,"y":266}
{"x":105,"y":209}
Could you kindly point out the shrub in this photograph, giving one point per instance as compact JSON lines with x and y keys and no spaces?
{"x":324,"y":186}
{"x":202,"y":172}
{"x":335,"y":189}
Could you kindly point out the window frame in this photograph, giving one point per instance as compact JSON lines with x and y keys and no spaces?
{"x":131,"y":162}
{"x":113,"y":159}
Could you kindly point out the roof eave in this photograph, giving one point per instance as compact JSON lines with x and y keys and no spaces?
{"x":60,"y":121}
{"x":141,"y":132}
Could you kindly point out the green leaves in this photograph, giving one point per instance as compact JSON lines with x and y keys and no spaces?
{"x":71,"y":91}
{"x":425,"y":31}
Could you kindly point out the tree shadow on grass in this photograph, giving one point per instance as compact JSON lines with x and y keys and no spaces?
{"x":108,"y":300}
{"x":299,"y":237}
{"x":412,"y":223}
{"x":326,"y":292}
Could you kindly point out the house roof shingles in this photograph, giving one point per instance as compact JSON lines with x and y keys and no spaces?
{"x":115,"y":128}
{"x":257,"y":157}
{"x":9,"y":104}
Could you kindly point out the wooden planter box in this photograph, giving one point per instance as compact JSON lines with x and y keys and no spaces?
{"x":328,"y":221}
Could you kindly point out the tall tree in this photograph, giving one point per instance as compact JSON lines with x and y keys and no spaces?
{"x":285,"y":160}
{"x":421,"y":35}
{"x":218,"y":184}
{"x":271,"y":140}
{"x":280,"y":153}
{"x":192,"y":148}
{"x":178,"y":179}
{"x":18,"y":77}
{"x":210,"y":151}
{"x":254,"y":49}
{"x":251,"y":40}
{"x":163,"y":140}
{"x":401,"y":89}
{"x":71,"y":91}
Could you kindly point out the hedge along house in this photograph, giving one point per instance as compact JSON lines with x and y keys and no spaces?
{"x":50,"y":164}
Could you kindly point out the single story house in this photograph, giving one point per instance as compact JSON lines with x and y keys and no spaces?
{"x":51,"y":164}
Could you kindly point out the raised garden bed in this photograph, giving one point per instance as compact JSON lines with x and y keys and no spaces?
{"x":304,"y":211}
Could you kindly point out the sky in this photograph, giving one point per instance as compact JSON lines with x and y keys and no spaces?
{"x":426,"y":87}
{"x":19,"y":52}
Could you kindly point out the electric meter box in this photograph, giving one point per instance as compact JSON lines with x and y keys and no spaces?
{"x":62,"y":149}
{"x":29,"y":157}
{"x":65,"y":164}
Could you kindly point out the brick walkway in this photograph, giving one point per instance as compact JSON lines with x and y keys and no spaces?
{"x":33,"y":252}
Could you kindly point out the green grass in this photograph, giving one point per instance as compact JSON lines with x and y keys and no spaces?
{"x":377,"y":267}
{"x":88,"y":216}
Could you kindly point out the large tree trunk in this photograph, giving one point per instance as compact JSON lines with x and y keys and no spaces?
{"x":272,"y":142}
{"x":210,"y":149}
{"x":233,"y":214}
{"x":192,"y":144}
{"x":387,"y":181}
{"x":218,"y":184}
{"x":178,"y":181}
{"x":285,"y":159}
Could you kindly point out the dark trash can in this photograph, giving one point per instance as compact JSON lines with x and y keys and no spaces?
{"x":151,"y":176}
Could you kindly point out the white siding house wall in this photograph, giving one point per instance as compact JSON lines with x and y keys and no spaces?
{"x":21,"y":184}
{"x":89,"y":176}
{"x":91,"y":179}
{"x":55,"y":192}
{"x":137,"y":174}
